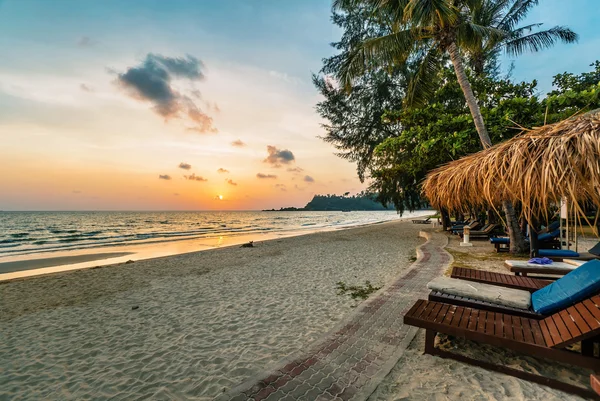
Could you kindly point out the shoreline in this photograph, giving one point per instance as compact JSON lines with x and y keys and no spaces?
{"x":117,"y":255}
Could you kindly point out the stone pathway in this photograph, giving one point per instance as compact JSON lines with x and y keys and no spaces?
{"x":349,"y":362}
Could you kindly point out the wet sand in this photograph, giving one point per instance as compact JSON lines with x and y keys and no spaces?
{"x":9,"y":267}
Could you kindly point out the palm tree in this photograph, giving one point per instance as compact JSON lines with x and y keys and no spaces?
{"x":426,"y":30}
{"x":505,"y":15}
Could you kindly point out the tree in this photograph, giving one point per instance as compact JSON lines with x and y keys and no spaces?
{"x":426,"y":30}
{"x":504,"y":15}
{"x":355,"y":126}
{"x":442,"y":131}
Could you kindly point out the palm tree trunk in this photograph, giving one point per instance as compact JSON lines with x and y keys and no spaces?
{"x":517,"y":241}
{"x":463,"y":81}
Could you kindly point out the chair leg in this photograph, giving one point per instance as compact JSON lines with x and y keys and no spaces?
{"x":587,"y":347}
{"x":430,"y":342}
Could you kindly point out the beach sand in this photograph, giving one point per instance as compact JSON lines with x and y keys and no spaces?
{"x":186,"y":326}
{"x":193,"y":325}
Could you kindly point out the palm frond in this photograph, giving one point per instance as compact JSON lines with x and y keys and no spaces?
{"x":429,"y":12}
{"x":516,"y":13}
{"x":540,"y":40}
{"x":471,"y":35}
{"x":380,"y":52}
{"x":423,"y":83}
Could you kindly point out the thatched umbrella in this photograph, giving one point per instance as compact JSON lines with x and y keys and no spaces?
{"x":537,"y":168}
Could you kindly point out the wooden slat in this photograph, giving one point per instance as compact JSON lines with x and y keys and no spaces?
{"x":449,"y":315}
{"x":545,"y":333}
{"x":565,"y":335}
{"x":457,"y":316}
{"x":536,"y":330}
{"x":578,"y":319}
{"x":595,"y":312}
{"x":571,"y":326}
{"x":490,"y":323}
{"x":527,"y":331}
{"x":586,"y":315}
{"x":556,"y":339}
{"x":473,"y":320}
{"x":439,"y":312}
{"x":416,"y":309}
{"x":428,"y":307}
{"x":508,"y":331}
{"x":499,"y":325}
{"x":464,"y":320}
{"x":482,"y":321}
{"x":517,"y":328}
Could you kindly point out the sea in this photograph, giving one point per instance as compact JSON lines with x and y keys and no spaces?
{"x":29,"y":235}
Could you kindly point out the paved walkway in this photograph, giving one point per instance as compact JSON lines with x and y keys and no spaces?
{"x":350,"y":361}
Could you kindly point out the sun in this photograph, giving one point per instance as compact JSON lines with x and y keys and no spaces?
{"x":220,"y":197}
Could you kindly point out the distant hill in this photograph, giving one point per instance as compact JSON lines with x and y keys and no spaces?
{"x":338,"y":203}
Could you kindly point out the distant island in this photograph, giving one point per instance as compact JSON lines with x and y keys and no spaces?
{"x":341,"y":203}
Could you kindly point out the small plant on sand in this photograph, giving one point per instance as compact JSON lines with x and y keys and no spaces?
{"x":356,"y":291}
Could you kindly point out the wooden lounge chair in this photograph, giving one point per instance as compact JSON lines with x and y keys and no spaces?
{"x":545,"y":338}
{"x":505,"y":280}
{"x":484,"y":233}
{"x":457,"y":230}
{"x":422,"y":221}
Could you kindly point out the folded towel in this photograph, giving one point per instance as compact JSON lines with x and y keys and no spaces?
{"x":540,"y":261}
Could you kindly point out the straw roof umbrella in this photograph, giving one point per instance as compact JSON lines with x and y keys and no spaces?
{"x":537,"y":168}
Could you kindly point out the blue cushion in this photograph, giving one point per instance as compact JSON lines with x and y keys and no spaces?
{"x":558,"y":253}
{"x":549,"y":236}
{"x":574,"y":287}
{"x":500,"y":240}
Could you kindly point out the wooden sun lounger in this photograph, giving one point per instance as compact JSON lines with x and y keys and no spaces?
{"x":505,"y":280}
{"x":545,"y":338}
{"x":485,"y":232}
{"x":422,"y":221}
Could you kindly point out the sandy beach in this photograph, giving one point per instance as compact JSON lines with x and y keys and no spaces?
{"x":195,"y":325}
{"x":187,"y":326}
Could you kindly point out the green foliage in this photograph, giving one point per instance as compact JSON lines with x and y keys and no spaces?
{"x":356,"y":291}
{"x":354,"y":120}
{"x":335,"y":202}
{"x":443,"y":130}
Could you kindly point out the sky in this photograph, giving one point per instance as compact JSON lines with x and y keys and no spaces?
{"x":187,"y":105}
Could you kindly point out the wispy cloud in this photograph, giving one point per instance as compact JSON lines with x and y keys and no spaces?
{"x":86,"y":41}
{"x":185,"y":166}
{"x":261,"y":175}
{"x":222,"y":170}
{"x":85,"y":88}
{"x":151,"y":82}
{"x":281,"y":187}
{"x":238,"y":144}
{"x":295,"y":169}
{"x":164,"y":177}
{"x":276,"y":156}
{"x":194,"y":177}
{"x":230,"y":182}
{"x":308,"y":178}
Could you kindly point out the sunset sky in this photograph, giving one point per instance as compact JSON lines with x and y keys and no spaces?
{"x":186,"y":105}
